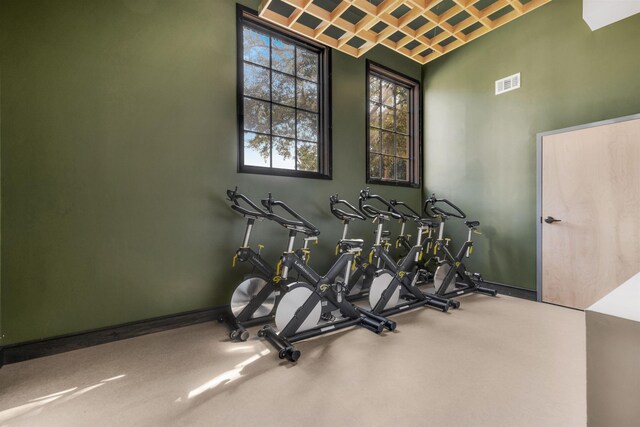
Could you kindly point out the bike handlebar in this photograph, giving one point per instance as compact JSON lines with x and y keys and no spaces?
{"x":430,"y":208}
{"x":299,"y":224}
{"x":235,"y":197}
{"x":372,"y":211}
{"x":341,"y":214}
{"x":409,"y":212}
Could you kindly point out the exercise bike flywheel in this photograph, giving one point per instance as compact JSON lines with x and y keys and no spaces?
{"x":246,"y":291}
{"x":380,"y":282}
{"x":440,"y":275}
{"x":297,"y":294}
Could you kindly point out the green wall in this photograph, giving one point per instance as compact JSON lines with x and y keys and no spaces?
{"x":480,"y":149}
{"x":118,"y":143}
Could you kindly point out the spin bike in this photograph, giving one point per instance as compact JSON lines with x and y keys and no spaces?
{"x":362,"y":272}
{"x":394,"y":288}
{"x":451,"y":278}
{"x":254,"y":300}
{"x":299,"y":312}
{"x":403,"y":241}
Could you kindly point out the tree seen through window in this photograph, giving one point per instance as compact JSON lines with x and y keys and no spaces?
{"x":281,"y":96}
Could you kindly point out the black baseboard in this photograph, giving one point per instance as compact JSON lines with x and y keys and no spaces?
{"x":512,"y":291}
{"x":46,"y":347}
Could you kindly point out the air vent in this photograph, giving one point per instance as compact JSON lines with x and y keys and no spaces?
{"x":508,"y":84}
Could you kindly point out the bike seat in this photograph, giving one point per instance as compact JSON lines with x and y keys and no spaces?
{"x":350,"y":244}
{"x":472,"y":224}
{"x":426,"y":222}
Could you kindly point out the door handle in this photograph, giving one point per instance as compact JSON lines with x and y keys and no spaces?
{"x":551,"y":220}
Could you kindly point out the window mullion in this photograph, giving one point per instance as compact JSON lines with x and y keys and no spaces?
{"x":295,"y":103}
{"x":270,"y":102}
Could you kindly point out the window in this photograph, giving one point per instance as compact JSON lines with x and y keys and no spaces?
{"x":283,"y":101}
{"x":393,"y":131}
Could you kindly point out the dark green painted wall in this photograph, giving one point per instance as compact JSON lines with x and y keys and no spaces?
{"x":480,"y":149}
{"x":118,"y":142}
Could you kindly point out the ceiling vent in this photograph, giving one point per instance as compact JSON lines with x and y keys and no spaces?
{"x":508,"y":84}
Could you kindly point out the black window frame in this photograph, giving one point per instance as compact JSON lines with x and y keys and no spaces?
{"x":249,"y":17}
{"x":415,"y":125}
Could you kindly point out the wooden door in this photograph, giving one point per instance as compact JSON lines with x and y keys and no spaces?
{"x":591,"y":182}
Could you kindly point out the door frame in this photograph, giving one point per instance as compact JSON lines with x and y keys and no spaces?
{"x":539,"y":137}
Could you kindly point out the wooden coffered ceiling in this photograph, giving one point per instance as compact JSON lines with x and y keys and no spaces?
{"x":422,"y":30}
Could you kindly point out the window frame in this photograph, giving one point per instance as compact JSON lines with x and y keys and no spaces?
{"x":249,"y":17}
{"x":415,"y":125}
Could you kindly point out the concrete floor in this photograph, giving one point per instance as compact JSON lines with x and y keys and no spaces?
{"x":495,"y":362}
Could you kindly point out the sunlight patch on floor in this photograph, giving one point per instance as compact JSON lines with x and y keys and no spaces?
{"x":226,"y":377}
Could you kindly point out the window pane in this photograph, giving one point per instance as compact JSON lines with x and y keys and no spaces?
{"x":284,"y":155}
{"x":281,"y":95}
{"x":257,"y":116}
{"x":374,"y":89}
{"x":284,"y":88}
{"x":391,"y":136}
{"x":307,"y":64}
{"x":402,"y":169}
{"x":256,"y":150}
{"x":374,"y":140}
{"x":283,"y":56}
{"x":255,"y":47}
{"x":388,"y":167}
{"x":256,"y":81}
{"x":402,"y":98}
{"x":374,"y":115}
{"x":307,"y":156}
{"x":388,"y":120}
{"x":307,"y":95}
{"x":374,"y":165}
{"x":388,"y":95}
{"x":388,"y":146}
{"x":283,"y":121}
{"x":402,"y":146}
{"x":402,"y":121}
{"x":307,"y":126}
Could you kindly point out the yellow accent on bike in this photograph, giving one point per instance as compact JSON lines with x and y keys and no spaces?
{"x":307,"y":255}
{"x":337,"y":248}
{"x":278,"y":266}
{"x":276,"y":279}
{"x":457,"y":263}
{"x":233,"y":262}
{"x":476,"y":232}
{"x":470,"y":249}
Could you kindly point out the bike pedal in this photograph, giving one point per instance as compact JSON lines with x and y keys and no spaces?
{"x":327,"y":317}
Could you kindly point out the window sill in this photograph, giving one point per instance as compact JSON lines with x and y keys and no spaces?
{"x":283,"y":172}
{"x":393,"y":183}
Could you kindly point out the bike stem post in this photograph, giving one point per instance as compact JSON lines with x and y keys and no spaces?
{"x":247,"y":232}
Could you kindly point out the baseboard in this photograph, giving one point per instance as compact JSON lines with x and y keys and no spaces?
{"x":510,"y":290}
{"x":49,"y":346}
